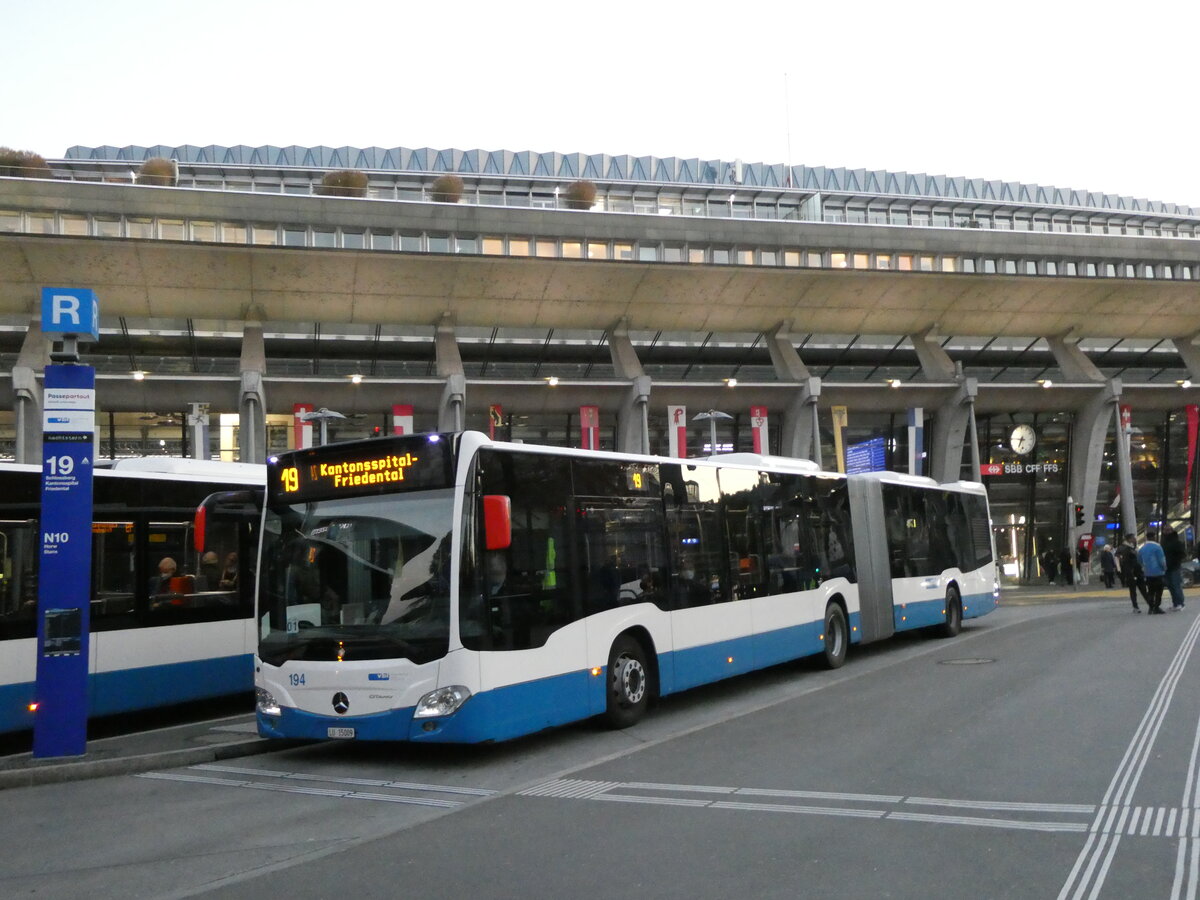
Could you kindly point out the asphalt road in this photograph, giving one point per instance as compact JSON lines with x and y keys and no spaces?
{"x":1048,"y":751}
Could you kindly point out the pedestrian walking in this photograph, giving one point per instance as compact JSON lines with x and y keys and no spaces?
{"x":1050,"y":564}
{"x":1175,"y":553}
{"x":1108,"y":565}
{"x":1154,"y":568}
{"x":1131,"y":571}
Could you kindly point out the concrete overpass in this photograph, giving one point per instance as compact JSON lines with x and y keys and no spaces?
{"x":847,"y":292}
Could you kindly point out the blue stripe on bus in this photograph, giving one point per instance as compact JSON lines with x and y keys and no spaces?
{"x":519,"y":709}
{"x":129,"y":690}
{"x":978,"y":604}
{"x":14,"y":703}
{"x":499,"y":714}
{"x":924,"y":613}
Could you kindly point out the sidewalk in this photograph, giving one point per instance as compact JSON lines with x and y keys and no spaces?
{"x":1029,"y":594}
{"x":178,"y":745}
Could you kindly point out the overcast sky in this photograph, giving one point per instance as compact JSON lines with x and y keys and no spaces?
{"x":1098,"y":96}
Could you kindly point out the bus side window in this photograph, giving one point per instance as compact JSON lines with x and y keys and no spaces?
{"x":742,"y":500}
{"x":699,"y":571}
{"x":537,"y":597}
{"x":781,"y":537}
{"x":896,"y":515}
{"x":19,"y":548}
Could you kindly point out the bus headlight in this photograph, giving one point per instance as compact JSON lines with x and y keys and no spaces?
{"x":442,"y":702}
{"x":265,"y":701}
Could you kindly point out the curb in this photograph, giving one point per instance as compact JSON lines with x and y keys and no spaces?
{"x":58,"y":773}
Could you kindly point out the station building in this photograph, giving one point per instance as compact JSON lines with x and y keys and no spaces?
{"x":952,"y":327}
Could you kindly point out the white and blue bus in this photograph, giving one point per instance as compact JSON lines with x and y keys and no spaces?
{"x":158,"y":637}
{"x":445,"y":587}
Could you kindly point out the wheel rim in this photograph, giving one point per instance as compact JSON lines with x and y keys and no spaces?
{"x":629,"y":681}
{"x":834,"y":635}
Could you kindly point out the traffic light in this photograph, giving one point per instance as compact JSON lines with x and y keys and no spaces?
{"x":377,"y":431}
{"x":1078,"y":513}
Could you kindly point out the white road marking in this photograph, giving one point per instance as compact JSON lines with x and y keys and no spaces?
{"x":284,"y":788}
{"x":365,"y":782}
{"x":1121,"y":789}
{"x":576,"y":789}
{"x":1084,"y":808}
{"x":1079,"y":827}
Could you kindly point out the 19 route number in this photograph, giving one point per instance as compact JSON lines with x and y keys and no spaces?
{"x":61,"y":465}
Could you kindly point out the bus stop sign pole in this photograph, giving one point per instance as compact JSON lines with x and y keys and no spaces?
{"x":65,"y":567}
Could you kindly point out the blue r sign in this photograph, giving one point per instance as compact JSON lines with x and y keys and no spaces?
{"x":70,"y":311}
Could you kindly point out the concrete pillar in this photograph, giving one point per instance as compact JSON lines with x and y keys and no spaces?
{"x":1124,"y":475}
{"x":633,"y":425}
{"x":954,"y":419}
{"x":27,"y":394}
{"x":800,"y":436}
{"x":1073,"y":362}
{"x":1088,"y":434}
{"x":252,"y":407}
{"x":936,"y":364}
{"x":1190,"y":353}
{"x":452,"y":406}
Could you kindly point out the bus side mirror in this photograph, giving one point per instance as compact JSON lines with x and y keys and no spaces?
{"x":497,"y":522}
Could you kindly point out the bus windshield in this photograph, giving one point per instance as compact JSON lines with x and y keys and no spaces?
{"x":357,"y":578}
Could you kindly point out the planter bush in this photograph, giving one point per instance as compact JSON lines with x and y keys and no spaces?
{"x":23,"y":164}
{"x":580,"y":195}
{"x":344,"y":183}
{"x":446,"y":189}
{"x":156,"y":171}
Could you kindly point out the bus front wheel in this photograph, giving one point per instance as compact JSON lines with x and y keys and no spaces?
{"x":836,"y":638}
{"x":953,"y":623}
{"x":628,"y":683}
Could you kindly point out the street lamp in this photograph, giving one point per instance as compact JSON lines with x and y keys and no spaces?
{"x":322,"y":416}
{"x":712,"y":415}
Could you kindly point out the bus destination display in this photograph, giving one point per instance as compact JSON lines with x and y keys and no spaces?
{"x":375,"y":467}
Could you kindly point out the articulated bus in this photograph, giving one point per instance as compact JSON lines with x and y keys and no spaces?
{"x":445,"y":587}
{"x":174,"y":543}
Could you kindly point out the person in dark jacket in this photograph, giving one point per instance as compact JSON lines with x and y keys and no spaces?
{"x":1175,"y":552}
{"x":1131,"y":571}
{"x":1050,"y":564}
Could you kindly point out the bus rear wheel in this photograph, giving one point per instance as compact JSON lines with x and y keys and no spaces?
{"x":628,"y":683}
{"x":836,"y":637}
{"x":953,"y":623}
